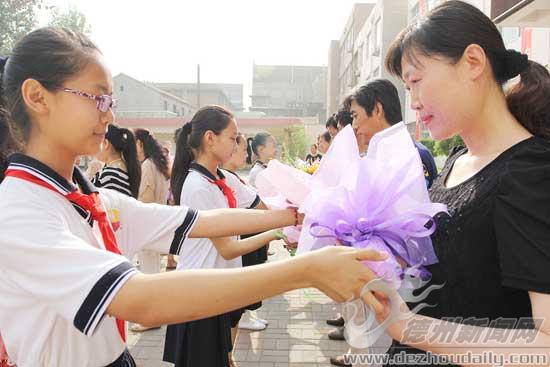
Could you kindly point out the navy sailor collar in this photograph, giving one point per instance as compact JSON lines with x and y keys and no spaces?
{"x":194,"y":166}
{"x":22,"y":162}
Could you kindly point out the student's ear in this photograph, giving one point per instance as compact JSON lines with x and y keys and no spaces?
{"x":37,"y":99}
{"x":209,"y":138}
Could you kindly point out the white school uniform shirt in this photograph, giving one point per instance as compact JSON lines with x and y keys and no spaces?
{"x":57,"y":279}
{"x":198,"y":192}
{"x":256,"y":168}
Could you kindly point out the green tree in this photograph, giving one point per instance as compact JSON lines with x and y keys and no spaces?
{"x":72,"y":18}
{"x":17,"y":18}
{"x":444,"y":147}
{"x":430,"y":144}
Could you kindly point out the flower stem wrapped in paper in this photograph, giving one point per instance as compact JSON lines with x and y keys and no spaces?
{"x":379,"y":201}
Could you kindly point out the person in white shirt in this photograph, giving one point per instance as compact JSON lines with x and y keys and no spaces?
{"x":262,"y":147}
{"x":65,"y":278}
{"x":203,"y":145}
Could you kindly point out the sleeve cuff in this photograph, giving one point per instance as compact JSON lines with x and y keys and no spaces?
{"x":256,"y":202}
{"x":528,"y":285}
{"x":94,"y":306}
{"x":183,"y":231}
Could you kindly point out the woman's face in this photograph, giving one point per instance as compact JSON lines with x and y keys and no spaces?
{"x":323,"y":145}
{"x":224,"y":145}
{"x":73,"y":121}
{"x":443,"y":94}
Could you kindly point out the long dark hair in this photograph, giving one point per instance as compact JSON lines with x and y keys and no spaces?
{"x":48,"y":55}
{"x":254,"y":143}
{"x":454,"y":25}
{"x":209,"y":118}
{"x":7,"y":145}
{"x":124,"y":142}
{"x":154,"y":151}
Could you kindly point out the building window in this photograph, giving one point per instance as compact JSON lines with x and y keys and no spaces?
{"x":183,"y":111}
{"x":122,"y":88}
{"x":165,"y":106}
{"x":174,"y":109}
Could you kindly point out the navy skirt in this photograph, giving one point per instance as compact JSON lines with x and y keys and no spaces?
{"x":204,"y":343}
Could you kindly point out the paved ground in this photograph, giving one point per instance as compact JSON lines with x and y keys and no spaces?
{"x":296,"y":336}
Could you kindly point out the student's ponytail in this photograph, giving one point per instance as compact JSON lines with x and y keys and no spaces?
{"x":528,"y":100}
{"x":124,"y":142}
{"x":182,"y":160}
{"x":7,"y":143}
{"x":259,"y":140}
{"x":249,"y":152}
{"x":209,"y":118}
{"x":133,"y":166}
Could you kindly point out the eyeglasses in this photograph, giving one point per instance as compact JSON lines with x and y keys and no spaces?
{"x":104,"y":102}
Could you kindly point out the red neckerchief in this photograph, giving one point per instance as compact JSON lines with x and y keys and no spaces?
{"x":220,"y":182}
{"x":91,"y":203}
{"x":227,"y":191}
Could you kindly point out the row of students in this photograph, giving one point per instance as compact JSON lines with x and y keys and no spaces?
{"x":65,"y":244}
{"x":205,"y":144}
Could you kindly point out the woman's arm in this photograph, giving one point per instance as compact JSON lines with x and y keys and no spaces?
{"x":481,"y":340}
{"x":230,"y":222}
{"x":195,"y":294}
{"x":230,"y":248}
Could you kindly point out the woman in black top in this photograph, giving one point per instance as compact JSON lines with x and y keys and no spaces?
{"x":313,"y":156}
{"x":494,"y":246}
{"x":122,"y":170}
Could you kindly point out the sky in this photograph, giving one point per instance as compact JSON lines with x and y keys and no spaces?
{"x":163,"y":41}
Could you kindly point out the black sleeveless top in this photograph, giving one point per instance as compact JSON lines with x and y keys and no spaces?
{"x":494,"y":246}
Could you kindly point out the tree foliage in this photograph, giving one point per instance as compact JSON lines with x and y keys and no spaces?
{"x":17,"y":18}
{"x":71,"y":18}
